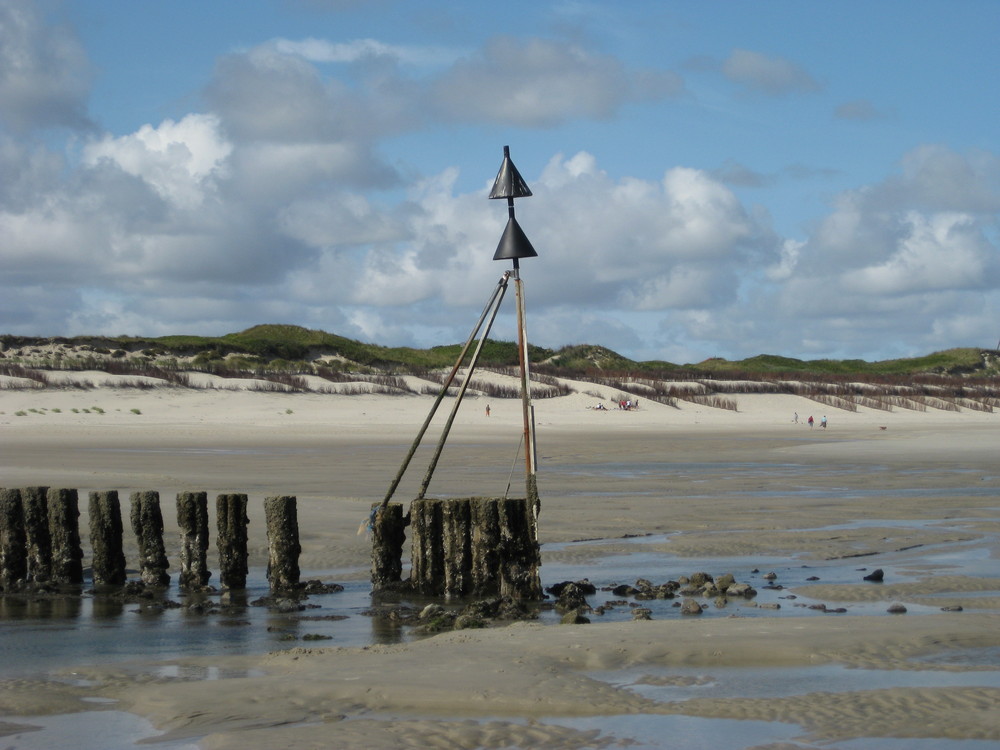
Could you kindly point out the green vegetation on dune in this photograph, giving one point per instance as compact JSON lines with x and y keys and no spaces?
{"x":583,"y":357}
{"x":950,"y":362}
{"x":290,"y":348}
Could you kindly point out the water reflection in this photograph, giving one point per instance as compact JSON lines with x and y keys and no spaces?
{"x":32,"y":608}
{"x":104,"y":607}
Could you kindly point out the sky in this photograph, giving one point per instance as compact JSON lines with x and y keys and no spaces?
{"x":808,"y":179}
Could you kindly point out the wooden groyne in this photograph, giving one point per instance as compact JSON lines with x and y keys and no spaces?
{"x":232,"y":520}
{"x":147,"y":525}
{"x":41,"y":547}
{"x":460,"y":547}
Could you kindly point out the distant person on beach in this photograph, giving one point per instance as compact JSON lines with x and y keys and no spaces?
{"x":487,"y":410}
{"x":810,"y":421}
{"x":795,"y":418}
{"x":822,"y":422}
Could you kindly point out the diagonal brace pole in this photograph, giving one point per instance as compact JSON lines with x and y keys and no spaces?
{"x":458,"y":398}
{"x":494,"y":305}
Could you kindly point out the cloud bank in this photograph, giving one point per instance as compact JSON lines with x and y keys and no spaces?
{"x":275,"y":203}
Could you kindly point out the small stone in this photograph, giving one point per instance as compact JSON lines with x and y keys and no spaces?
{"x":952,"y":608}
{"x":875,"y":576}
{"x":896,"y":609}
{"x":431,"y":611}
{"x":770,"y":576}
{"x":691,"y":607}
{"x":574,"y":618}
{"x":642,"y":613}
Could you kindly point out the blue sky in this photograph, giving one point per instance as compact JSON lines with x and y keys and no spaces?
{"x":710,"y":179}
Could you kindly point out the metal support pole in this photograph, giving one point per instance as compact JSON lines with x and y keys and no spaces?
{"x":526,"y":408}
{"x":458,"y":399}
{"x":492,"y":304}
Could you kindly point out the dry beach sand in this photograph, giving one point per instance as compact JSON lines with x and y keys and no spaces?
{"x":918,"y":498}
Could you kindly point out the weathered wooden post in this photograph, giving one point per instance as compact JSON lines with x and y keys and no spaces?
{"x":13,"y":552}
{"x":517,"y":546}
{"x":147,"y":524}
{"x":106,"y":538}
{"x":480,"y":546}
{"x":388,"y":528}
{"x":232,"y":520}
{"x":36,"y":533}
{"x":192,"y":519}
{"x":64,"y":529}
{"x":281,"y":515}
{"x":427,"y":547}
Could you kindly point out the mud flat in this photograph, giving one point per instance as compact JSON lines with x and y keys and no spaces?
{"x":660,"y":493}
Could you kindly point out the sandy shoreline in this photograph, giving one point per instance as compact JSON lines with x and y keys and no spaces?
{"x":705,"y":483}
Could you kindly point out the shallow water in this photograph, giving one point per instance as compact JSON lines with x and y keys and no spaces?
{"x":656,"y":732}
{"x":42,"y":637}
{"x":90,"y":730}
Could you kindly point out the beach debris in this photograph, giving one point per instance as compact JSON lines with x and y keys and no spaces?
{"x":952,"y":608}
{"x":147,"y":524}
{"x":281,"y":518}
{"x":875,"y":576}
{"x":106,"y":538}
{"x":231,"y":521}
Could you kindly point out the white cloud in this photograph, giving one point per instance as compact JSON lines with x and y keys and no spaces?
{"x":324,"y":51}
{"x":858,"y":109}
{"x":266,"y":206}
{"x":541,"y":83}
{"x":44,"y":71}
{"x":768,"y":74}
{"x":939,"y":252}
{"x":178,"y":159}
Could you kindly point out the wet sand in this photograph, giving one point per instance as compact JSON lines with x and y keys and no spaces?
{"x":920,"y":499}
